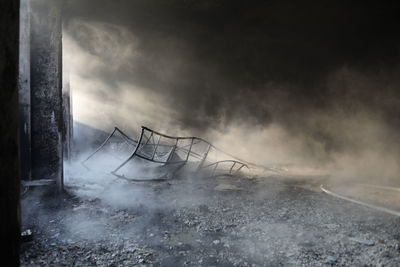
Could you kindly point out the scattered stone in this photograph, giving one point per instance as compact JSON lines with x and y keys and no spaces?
{"x":26,"y":235}
{"x":224,"y":187}
{"x":330,"y":259}
{"x":362,"y":241}
{"x":216,"y":242}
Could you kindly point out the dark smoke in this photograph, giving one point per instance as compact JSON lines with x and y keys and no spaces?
{"x":326,"y":72}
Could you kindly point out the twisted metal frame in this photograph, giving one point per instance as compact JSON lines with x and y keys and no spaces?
{"x":174,"y":148}
{"x":231,"y":172}
{"x":116,"y":129}
{"x":187,"y":149}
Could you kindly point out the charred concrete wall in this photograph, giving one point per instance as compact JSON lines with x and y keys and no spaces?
{"x":25,"y":90}
{"x":46,"y":91}
{"x":9,"y":160}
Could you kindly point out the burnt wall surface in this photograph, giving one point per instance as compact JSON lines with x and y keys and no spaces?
{"x":67,"y":120}
{"x":25,"y":91}
{"x":9,"y":163}
{"x":67,"y":108}
{"x":46,"y":91}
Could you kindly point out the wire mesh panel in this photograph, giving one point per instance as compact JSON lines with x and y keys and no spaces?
{"x":146,"y":146}
{"x":161,"y":148}
{"x":199,"y":151}
{"x":182,"y":149}
{"x":116,"y":148}
{"x":165,"y":150}
{"x":157,"y":147}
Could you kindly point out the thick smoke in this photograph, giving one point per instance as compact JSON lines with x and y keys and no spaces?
{"x":299,"y":83}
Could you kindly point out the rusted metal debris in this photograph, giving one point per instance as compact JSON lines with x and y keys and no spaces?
{"x":168,"y":153}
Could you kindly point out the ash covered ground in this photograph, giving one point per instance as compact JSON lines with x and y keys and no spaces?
{"x":273,"y":220}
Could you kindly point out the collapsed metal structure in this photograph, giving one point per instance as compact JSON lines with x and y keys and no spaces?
{"x":154,"y":153}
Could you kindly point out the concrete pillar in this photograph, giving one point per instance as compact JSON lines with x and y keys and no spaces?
{"x":46,"y":91}
{"x":25,"y":91}
{"x":9,"y":158}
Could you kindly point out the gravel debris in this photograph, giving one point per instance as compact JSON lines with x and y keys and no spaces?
{"x":270,"y":221}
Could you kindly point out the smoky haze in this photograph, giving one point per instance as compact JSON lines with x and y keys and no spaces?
{"x":284,"y":82}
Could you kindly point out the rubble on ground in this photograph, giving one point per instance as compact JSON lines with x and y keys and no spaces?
{"x":268,"y":222}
